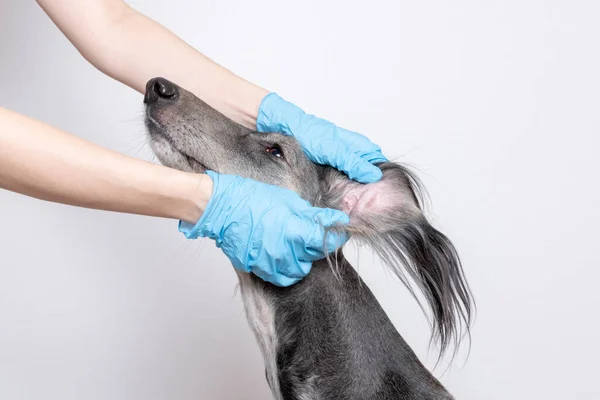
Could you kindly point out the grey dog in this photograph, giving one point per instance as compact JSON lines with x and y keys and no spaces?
{"x":326,"y":337}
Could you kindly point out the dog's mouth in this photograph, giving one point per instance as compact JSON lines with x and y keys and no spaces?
{"x":194,"y":164}
{"x":167,"y":151}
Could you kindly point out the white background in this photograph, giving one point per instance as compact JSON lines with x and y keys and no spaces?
{"x":497,"y":104}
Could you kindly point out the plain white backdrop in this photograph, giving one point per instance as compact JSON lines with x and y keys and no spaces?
{"x":495,"y":102}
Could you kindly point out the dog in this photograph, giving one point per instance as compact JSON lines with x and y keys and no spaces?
{"x":326,"y":337}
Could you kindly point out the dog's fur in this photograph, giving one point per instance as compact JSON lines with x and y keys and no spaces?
{"x":326,"y":337}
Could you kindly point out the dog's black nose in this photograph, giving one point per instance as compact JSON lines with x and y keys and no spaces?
{"x":159,"y":88}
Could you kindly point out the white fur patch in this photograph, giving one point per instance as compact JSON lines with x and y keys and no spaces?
{"x":261,"y":317}
{"x":309,"y":391}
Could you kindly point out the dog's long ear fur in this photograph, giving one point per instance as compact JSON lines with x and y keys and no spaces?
{"x":388,"y":216}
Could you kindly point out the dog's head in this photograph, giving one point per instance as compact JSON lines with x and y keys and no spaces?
{"x":187,"y":134}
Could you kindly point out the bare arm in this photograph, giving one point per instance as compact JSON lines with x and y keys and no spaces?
{"x":43,"y":162}
{"x":132,"y":48}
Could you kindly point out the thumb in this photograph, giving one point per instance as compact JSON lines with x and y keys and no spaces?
{"x":322,"y":241}
{"x":327,"y":216}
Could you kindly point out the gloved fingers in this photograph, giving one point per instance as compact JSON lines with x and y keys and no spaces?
{"x":319,"y":244}
{"x":292,"y":199}
{"x":375,"y":157}
{"x":293,"y":268}
{"x":358,"y":168}
{"x":280,"y":278}
{"x":328,"y":217}
{"x":309,"y":239}
{"x":360,"y":144}
{"x":325,"y":216}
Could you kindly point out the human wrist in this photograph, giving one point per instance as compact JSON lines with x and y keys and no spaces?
{"x":245,"y":103}
{"x":189,"y":195}
{"x":216,"y":210}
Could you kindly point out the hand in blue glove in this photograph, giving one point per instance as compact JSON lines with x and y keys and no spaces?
{"x":322,"y":141}
{"x":265,"y":229}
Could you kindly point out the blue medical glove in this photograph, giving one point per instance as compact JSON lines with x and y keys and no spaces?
{"x":265,"y":229}
{"x":322,"y":141}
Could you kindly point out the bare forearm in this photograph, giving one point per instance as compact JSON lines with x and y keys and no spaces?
{"x":132,"y":48}
{"x":43,"y":162}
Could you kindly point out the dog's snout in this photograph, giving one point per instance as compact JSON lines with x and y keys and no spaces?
{"x":159,"y":88}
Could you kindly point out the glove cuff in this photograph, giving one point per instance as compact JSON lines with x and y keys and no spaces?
{"x":275,"y":114}
{"x":205,"y":227}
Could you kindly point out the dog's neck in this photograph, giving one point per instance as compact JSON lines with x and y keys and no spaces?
{"x":328,"y":337}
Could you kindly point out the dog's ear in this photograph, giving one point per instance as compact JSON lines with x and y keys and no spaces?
{"x":388,"y":216}
{"x":395,"y":193}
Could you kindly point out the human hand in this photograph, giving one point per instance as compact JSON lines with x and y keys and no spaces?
{"x":265,"y":229}
{"x":322,"y":141}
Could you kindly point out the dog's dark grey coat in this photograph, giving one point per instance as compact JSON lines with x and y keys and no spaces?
{"x":326,"y":337}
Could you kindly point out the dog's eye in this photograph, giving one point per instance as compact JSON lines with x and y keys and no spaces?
{"x":275,"y":150}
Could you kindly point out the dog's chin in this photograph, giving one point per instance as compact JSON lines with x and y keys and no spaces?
{"x":171,"y":157}
{"x":195,"y":165}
